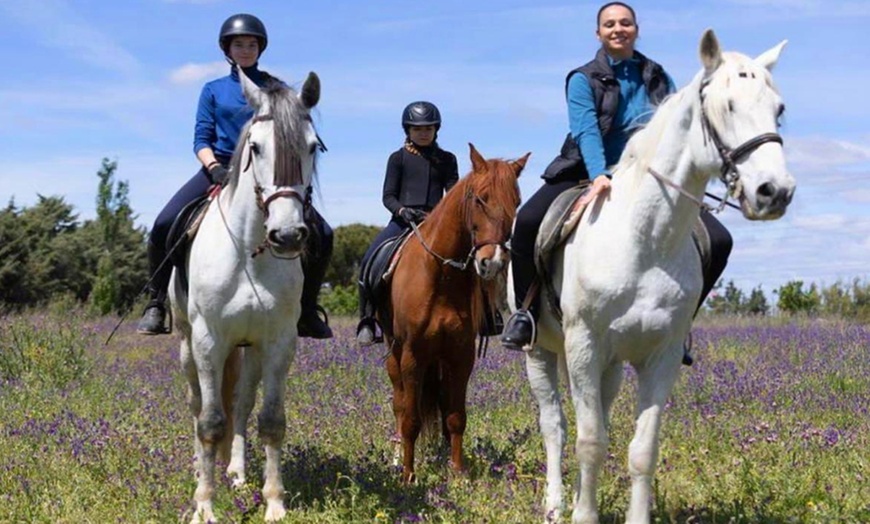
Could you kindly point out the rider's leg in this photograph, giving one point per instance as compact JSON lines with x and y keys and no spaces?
{"x":314,"y":264}
{"x":720,"y":248}
{"x":365,"y":330}
{"x":153,"y":320}
{"x":518,"y":331}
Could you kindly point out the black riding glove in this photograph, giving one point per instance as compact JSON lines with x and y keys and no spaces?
{"x":218,"y":174}
{"x":411,"y":215}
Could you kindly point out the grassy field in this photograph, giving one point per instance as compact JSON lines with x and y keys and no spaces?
{"x":770,"y":425}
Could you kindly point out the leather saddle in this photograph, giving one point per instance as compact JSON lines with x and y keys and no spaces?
{"x":182,"y":233}
{"x":562,"y":219}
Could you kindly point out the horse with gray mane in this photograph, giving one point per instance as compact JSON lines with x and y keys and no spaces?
{"x":238,"y":314}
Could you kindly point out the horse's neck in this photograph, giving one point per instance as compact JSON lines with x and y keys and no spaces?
{"x":444,"y":237}
{"x":242,"y":216}
{"x":660,"y":214}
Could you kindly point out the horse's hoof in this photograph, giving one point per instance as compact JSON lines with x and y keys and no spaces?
{"x":275,"y":511}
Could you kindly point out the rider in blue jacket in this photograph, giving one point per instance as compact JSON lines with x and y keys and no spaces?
{"x":220,"y":117}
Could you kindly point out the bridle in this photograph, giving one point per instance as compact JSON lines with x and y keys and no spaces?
{"x":470,"y":198}
{"x":728,"y":174}
{"x":263,"y":203}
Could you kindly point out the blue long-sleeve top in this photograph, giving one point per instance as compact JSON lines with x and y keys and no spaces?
{"x":223,"y":112}
{"x":634,"y":110}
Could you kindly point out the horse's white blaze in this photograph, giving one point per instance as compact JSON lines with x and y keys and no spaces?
{"x":630,"y":278}
{"x":236,"y":300}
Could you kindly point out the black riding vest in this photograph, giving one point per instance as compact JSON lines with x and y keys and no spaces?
{"x":418,"y":181}
{"x":605,"y":89}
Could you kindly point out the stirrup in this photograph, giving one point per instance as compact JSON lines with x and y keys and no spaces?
{"x":528,"y":315}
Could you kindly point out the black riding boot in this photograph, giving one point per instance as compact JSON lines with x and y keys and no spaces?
{"x":310,"y":324}
{"x":366,"y":329}
{"x":153,"y":321}
{"x":720,"y":249}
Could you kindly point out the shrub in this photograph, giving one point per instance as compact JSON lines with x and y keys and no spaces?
{"x":47,"y":351}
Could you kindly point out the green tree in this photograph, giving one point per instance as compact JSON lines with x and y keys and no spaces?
{"x":794,"y":299}
{"x":757,"y":303}
{"x":350,"y":244}
{"x":725,"y":302}
{"x":121,"y":263}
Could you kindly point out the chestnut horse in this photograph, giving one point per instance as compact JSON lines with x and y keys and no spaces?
{"x":436,"y":301}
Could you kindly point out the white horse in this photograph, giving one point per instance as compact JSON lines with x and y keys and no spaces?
{"x":236,"y":300}
{"x":630,"y":277}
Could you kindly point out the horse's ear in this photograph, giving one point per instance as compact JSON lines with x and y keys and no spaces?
{"x":310,"y":94}
{"x":711,"y":52}
{"x":252,"y":92}
{"x":478,"y":163}
{"x":520,"y":163}
{"x":769,"y":58}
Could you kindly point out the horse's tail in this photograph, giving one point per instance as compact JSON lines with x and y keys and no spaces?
{"x":430,"y":398}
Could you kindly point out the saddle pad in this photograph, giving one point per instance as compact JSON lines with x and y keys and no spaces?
{"x":560,"y":220}
{"x":381,"y":264}
{"x":182,"y":233}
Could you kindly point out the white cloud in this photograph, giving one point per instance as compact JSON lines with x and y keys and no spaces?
{"x":56,"y":24}
{"x":819,"y":152}
{"x":192,"y":73}
{"x":827,"y":222}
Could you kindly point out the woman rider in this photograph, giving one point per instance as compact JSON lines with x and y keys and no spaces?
{"x":607,"y":99}
{"x":220,"y":117}
{"x":418,"y":175}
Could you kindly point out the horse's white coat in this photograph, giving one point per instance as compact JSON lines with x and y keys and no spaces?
{"x":235,"y":300}
{"x":630,"y":277}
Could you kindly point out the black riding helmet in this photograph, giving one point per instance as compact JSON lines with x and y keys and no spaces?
{"x":421,"y":114}
{"x":239,"y":25}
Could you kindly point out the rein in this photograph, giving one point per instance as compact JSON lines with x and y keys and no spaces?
{"x":728,"y":173}
{"x":475,"y":246}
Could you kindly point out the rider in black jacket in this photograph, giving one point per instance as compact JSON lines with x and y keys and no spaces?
{"x":418,"y":175}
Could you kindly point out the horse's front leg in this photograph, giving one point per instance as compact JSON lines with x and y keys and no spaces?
{"x":395,"y":373}
{"x":654,"y":384}
{"x":542,"y":370}
{"x":211,"y":422}
{"x":247,"y":394}
{"x":454,"y":390}
{"x":585,"y":374}
{"x":411,"y":422}
{"x":272,"y":424}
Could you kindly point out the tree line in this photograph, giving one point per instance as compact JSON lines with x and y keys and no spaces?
{"x":48,"y":255}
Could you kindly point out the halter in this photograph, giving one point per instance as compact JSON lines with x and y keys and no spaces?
{"x":263,"y":203}
{"x":475,"y":246}
{"x":729,"y":174}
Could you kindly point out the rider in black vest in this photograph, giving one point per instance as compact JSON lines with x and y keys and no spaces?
{"x":617,"y":31}
{"x":418,"y":175}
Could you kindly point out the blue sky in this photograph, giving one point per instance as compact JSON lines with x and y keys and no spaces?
{"x":90,"y":79}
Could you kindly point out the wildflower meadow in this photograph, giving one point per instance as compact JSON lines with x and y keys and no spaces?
{"x":770,"y":425}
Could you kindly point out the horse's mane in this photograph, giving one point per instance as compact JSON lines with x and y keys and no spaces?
{"x":642,"y":146}
{"x":290,"y":119}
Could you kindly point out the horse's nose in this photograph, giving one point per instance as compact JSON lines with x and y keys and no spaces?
{"x":488,"y":267}
{"x":291,"y":238}
{"x":774,"y":198}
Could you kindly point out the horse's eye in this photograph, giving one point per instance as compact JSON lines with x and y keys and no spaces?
{"x":312,"y":149}
{"x":255,"y":148}
{"x":731,"y":105}
{"x":779,"y":114}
